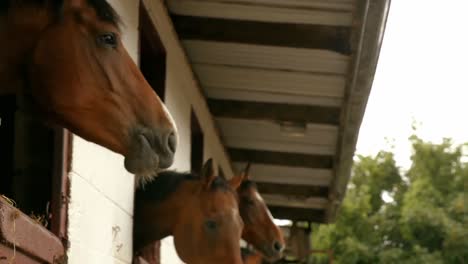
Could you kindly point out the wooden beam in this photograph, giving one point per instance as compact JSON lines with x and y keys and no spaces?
{"x":293,"y":190}
{"x":281,"y":158}
{"x":270,"y":80}
{"x":296,"y":202}
{"x":371,"y":19}
{"x":273,"y":136}
{"x":275,"y":111}
{"x":266,"y":57}
{"x":282,"y":145}
{"x":306,"y":4}
{"x":10,"y":255}
{"x":270,"y":97}
{"x":298,"y":176}
{"x":30,"y":237}
{"x":335,"y":15}
{"x":297,"y":214}
{"x":334,"y":38}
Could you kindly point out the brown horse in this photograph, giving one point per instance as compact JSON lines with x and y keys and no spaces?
{"x":67,"y":57}
{"x":259,"y":228}
{"x":200,"y":212}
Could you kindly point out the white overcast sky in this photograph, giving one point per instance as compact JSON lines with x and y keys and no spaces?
{"x":422,"y":75}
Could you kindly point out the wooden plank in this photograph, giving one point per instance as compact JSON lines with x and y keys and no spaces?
{"x":292,"y":190}
{"x":297,"y":214}
{"x":261,"y":12}
{"x":272,"y":111}
{"x":63,"y":143}
{"x":270,"y":97}
{"x":266,"y":57}
{"x":287,"y":146}
{"x":277,"y":136}
{"x":28,"y":236}
{"x":316,"y":4}
{"x":281,"y":158}
{"x":334,"y":38}
{"x":269,"y":80}
{"x":296,"y":202}
{"x":289,"y":175}
{"x":9,"y":256}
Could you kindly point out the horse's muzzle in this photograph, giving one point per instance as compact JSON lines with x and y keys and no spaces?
{"x":165,"y":145}
{"x":150,"y":151}
{"x":274,"y":251}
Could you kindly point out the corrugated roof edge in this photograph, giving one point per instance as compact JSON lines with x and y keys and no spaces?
{"x":369,"y":22}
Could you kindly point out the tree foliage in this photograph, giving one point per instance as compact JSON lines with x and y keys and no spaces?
{"x":426,"y":221}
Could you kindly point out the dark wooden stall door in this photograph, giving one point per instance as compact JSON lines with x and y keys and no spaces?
{"x":153,"y":67}
{"x":34,"y":166}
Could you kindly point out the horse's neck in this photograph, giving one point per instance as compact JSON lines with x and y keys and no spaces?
{"x":19,"y":31}
{"x":151,"y":224}
{"x":250,"y":256}
{"x":156,"y":220}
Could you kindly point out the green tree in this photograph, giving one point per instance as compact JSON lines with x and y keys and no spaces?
{"x":426,"y":222}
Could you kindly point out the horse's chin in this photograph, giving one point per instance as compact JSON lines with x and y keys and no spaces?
{"x":273,"y":259}
{"x":142,"y":179}
{"x":271,"y":256}
{"x":142,"y":160}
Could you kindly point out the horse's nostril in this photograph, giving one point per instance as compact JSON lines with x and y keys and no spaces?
{"x":277,"y":246}
{"x":172,"y":142}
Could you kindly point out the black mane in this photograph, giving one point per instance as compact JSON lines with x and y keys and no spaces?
{"x":103,"y":9}
{"x":246,"y":184}
{"x":5,"y":5}
{"x":167,"y":183}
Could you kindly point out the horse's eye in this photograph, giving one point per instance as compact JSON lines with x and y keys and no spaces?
{"x":108,"y":40}
{"x":211,"y":225}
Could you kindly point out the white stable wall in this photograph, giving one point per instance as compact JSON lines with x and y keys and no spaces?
{"x":182,"y":94}
{"x":182,"y":87}
{"x":101,"y":206}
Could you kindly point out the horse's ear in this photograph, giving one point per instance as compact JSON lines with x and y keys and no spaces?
{"x":236,"y":181}
{"x":67,"y":4}
{"x":208,"y":174}
{"x":221,"y":175}
{"x":61,"y":6}
{"x":246,"y":172}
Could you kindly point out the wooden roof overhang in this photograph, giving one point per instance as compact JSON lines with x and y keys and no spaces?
{"x":287,"y":82}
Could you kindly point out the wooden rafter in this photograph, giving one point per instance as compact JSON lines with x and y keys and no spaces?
{"x":281,"y":158}
{"x":298,"y":214}
{"x":293,"y":190}
{"x":275,"y":111}
{"x":334,"y":38}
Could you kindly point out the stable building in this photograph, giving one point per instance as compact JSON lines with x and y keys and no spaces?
{"x":282,"y":84}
